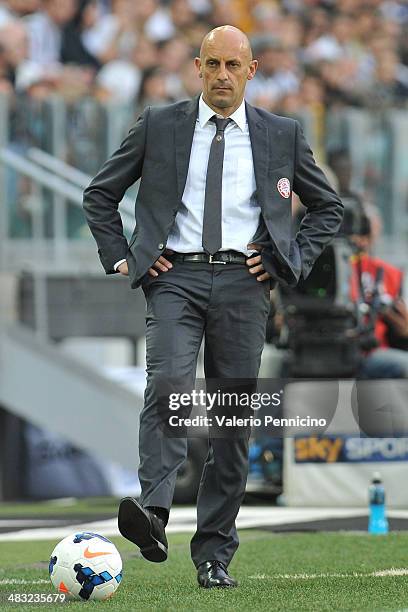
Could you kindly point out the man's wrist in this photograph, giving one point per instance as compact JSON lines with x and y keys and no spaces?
{"x":118,"y":263}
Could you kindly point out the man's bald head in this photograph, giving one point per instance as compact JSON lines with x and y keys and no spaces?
{"x":229,"y":36}
{"x":225,"y":65}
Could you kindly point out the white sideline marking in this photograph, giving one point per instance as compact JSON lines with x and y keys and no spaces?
{"x":9,"y":581}
{"x":394,"y":571}
{"x":34,"y":522}
{"x":378,"y":574}
{"x":184,"y":520}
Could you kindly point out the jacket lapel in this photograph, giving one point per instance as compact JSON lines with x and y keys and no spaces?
{"x":258,"y":133}
{"x":184,"y":132}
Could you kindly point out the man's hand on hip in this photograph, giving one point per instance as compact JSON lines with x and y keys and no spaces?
{"x":123,"y":268}
{"x":256,"y":266}
{"x":160,"y":265}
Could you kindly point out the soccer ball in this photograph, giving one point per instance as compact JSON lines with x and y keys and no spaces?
{"x":86,"y":566}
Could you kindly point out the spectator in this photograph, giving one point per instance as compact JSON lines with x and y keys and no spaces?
{"x":276,"y":76}
{"x":45,"y":31}
{"x":172,"y":56}
{"x":113,"y":35}
{"x":380,"y":284}
{"x":145,"y":53}
{"x":14,"y":44}
{"x":18,"y":71}
{"x":188,"y":21}
{"x":317,"y":23}
{"x":119,"y":80}
{"x":374,"y":282}
{"x":190,"y":81}
{"x":390,"y":83}
{"x":268,"y":19}
{"x":73,"y":50}
{"x":154,"y":20}
{"x":336,"y":44}
{"x":292,"y":32}
{"x":153,"y":88}
{"x":13,"y":9}
{"x":339,"y":80}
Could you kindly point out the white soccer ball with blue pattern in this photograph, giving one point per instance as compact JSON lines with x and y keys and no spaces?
{"x":86,"y":566}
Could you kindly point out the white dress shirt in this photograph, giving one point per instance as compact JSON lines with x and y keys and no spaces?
{"x":240,"y":208}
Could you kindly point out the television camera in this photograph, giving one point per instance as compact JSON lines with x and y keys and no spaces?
{"x":325,"y":330}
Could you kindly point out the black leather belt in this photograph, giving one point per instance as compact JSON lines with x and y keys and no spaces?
{"x":222,"y":257}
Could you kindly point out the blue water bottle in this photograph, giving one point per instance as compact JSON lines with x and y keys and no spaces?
{"x":377,"y":522}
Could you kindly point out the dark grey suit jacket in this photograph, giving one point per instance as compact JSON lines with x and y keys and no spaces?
{"x":157,"y":149}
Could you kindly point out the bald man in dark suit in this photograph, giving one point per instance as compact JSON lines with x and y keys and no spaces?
{"x":212,"y":236}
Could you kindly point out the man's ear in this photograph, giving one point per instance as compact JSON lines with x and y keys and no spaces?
{"x":253,"y":66}
{"x":197,"y":63}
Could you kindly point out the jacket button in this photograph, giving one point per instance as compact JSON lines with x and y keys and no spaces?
{"x":160,"y":245}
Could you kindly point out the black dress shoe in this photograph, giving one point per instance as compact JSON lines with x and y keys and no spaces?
{"x":144,"y":529}
{"x":214,"y":574}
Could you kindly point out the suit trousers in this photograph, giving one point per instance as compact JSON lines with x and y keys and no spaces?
{"x":228,"y":307}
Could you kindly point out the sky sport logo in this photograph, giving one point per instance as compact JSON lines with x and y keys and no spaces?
{"x":349,"y":449}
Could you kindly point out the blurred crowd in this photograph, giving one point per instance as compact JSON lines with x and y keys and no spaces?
{"x":312,"y":53}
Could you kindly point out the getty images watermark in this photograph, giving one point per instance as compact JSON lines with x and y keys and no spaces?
{"x":224,"y":401}
{"x":282,"y":407}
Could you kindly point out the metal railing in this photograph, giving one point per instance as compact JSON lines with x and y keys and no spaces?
{"x":64,"y":186}
{"x":86,"y":132}
{"x":78,"y":178}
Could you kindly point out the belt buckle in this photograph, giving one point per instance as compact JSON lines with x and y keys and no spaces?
{"x":213,"y":261}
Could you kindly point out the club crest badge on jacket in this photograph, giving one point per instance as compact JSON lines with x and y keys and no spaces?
{"x":284,"y":187}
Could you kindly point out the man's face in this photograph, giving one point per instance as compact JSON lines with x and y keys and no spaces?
{"x":225,"y":66}
{"x":62,"y":11}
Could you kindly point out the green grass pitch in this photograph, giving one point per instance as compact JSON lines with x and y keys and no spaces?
{"x":309,"y":571}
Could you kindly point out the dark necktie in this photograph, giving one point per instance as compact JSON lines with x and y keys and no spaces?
{"x":212,"y":238}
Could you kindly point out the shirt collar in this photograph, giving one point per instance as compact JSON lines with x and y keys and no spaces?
{"x":205,"y":113}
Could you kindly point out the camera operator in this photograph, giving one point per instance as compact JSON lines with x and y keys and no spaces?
{"x":377,"y":286}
